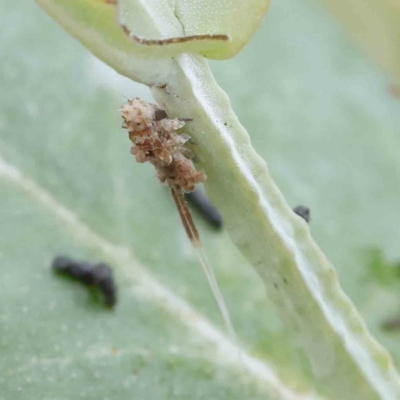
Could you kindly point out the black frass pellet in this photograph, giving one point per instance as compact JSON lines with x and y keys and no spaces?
{"x":204,"y":207}
{"x":99,"y":276}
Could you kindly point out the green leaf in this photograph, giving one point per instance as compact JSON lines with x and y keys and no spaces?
{"x":58,"y":130}
{"x":70,"y":186}
{"x":219,"y":29}
{"x":375,"y":26}
{"x":234,"y":18}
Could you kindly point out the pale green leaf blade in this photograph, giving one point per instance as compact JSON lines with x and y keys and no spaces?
{"x":69,"y":185}
{"x":375,"y":24}
{"x":274,"y":343}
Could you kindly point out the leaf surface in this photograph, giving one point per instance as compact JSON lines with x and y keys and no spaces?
{"x":63,"y":138}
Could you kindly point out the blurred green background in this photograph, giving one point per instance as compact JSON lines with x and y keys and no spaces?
{"x":317,"y":109}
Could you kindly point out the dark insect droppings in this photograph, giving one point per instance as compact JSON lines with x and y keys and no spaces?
{"x":160,"y":114}
{"x":99,"y":276}
{"x":205,"y":208}
{"x":303,"y":212}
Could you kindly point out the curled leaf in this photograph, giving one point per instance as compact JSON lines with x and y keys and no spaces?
{"x":215,"y":29}
{"x":157,"y":29}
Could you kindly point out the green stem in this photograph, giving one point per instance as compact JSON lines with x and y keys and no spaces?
{"x":299,"y":279}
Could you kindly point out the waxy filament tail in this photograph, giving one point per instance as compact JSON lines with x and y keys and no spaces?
{"x":194,"y":238}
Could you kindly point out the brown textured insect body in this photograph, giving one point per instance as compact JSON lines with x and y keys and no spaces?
{"x":155,"y":140}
